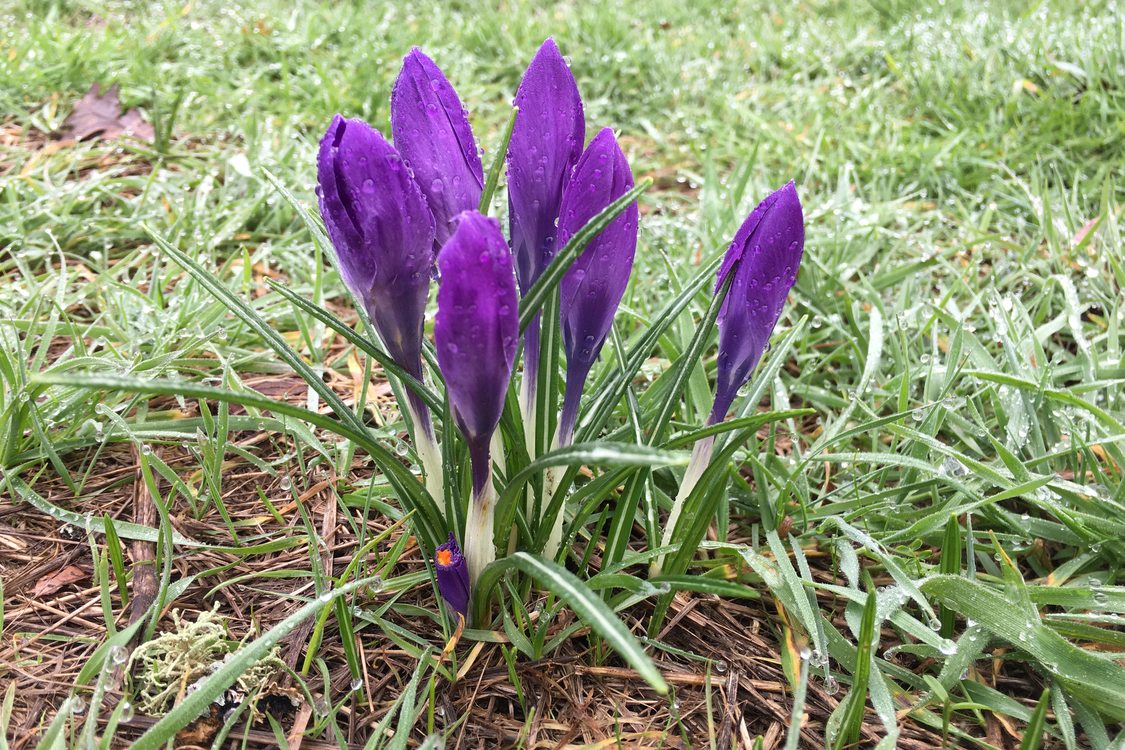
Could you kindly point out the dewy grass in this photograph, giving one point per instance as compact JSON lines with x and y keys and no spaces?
{"x":956,"y":384}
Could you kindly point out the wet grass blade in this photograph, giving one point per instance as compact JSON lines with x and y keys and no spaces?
{"x":1033,"y":733}
{"x":589,"y":608}
{"x":557,"y":268}
{"x":852,"y":723}
{"x":950,"y":565}
{"x":195,"y":703}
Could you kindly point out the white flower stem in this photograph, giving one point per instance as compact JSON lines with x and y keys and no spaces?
{"x":496,"y":447}
{"x":527,"y":407}
{"x":429,"y":454}
{"x":479,"y":547}
{"x":551,"y":480}
{"x":700,"y":458}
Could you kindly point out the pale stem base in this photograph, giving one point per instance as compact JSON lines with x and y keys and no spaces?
{"x":700,"y":458}
{"x":528,"y":409}
{"x":429,"y":455}
{"x":551,"y":481}
{"x":480,"y":550}
{"x":550,"y":484}
{"x":496,"y":447}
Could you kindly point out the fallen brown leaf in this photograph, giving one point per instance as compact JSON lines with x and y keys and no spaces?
{"x":58,"y":579}
{"x":98,"y":115}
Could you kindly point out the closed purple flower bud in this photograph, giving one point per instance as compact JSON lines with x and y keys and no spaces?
{"x":546,"y":142}
{"x":476,"y":329}
{"x":452,"y":576}
{"x":382,"y":231}
{"x":592,"y":288}
{"x":431,"y":130}
{"x":762,"y":260}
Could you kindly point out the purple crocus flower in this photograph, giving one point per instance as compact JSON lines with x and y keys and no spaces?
{"x":452,"y":576}
{"x":762,"y":261}
{"x":475,"y":334}
{"x":592,"y":288}
{"x":431,"y":130}
{"x":383,"y":234}
{"x":547,"y":140}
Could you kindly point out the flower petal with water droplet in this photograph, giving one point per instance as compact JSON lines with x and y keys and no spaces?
{"x":431,"y":130}
{"x":593,"y":286}
{"x":382,"y":232}
{"x":477,"y":324}
{"x":762,"y":262}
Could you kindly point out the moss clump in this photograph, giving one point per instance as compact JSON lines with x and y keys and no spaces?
{"x":176,"y":662}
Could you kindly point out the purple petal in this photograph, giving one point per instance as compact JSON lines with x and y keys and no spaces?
{"x":592,"y":288}
{"x":431,"y":130}
{"x":382,"y":231}
{"x":477,"y":324}
{"x":452,"y":575}
{"x":763,"y":258}
{"x":546,"y":142}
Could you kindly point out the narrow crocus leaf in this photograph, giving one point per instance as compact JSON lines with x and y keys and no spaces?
{"x":382,"y":231}
{"x":452,"y":576}
{"x":762,"y":261}
{"x":431,"y":130}
{"x":546,"y":142}
{"x":592,"y":288}
{"x":477,"y":324}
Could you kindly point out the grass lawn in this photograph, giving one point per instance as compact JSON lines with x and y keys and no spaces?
{"x":940,"y":518}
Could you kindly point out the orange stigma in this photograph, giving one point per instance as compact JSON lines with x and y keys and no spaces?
{"x":444,"y":558}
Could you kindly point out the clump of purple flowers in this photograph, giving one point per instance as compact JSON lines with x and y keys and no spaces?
{"x":396,"y":213}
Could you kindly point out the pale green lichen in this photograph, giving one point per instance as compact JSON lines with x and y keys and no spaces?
{"x":174,"y":663}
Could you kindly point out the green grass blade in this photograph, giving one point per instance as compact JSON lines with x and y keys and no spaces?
{"x":950,"y":565}
{"x":563,"y":259}
{"x":497,"y":163}
{"x":1033,"y":733}
{"x":1098,"y":682}
{"x":857,"y":699}
{"x":589,"y":608}
{"x":408,"y":488}
{"x":195,"y":703}
{"x":360,"y":342}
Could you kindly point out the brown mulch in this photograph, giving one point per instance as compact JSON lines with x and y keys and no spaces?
{"x":577,"y":700}
{"x":733,"y":692}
